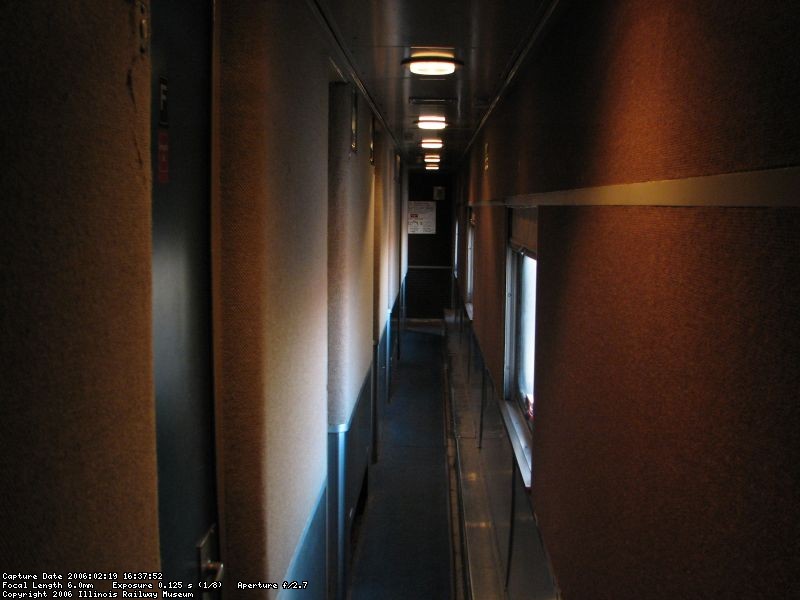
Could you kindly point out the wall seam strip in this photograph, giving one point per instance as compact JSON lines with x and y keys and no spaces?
{"x":765,"y":187}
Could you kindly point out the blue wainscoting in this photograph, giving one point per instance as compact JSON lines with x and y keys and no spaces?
{"x":352,"y":447}
{"x":349,"y":451}
{"x":308,"y":563}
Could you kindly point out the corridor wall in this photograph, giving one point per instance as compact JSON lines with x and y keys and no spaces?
{"x":644,"y":90}
{"x":388,"y":209}
{"x":272,"y":322}
{"x":489,"y":293}
{"x":665,"y":375}
{"x":350,"y":254}
{"x":666,"y":393}
{"x":77,"y":417}
{"x":351,"y":402}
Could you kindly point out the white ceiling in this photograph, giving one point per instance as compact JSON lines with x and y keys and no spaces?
{"x":490,"y":37}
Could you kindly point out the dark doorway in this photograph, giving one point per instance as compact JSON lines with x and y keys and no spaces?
{"x":181,"y":109}
{"x":428,"y":282}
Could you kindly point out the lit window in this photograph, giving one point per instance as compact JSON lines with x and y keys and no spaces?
{"x":522,"y":331}
{"x":470,"y":260}
{"x":526,"y":332}
{"x":455,"y":252}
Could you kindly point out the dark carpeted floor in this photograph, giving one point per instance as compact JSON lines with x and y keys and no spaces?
{"x":403,"y":549}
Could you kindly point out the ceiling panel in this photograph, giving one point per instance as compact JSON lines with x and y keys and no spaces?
{"x":486,"y":35}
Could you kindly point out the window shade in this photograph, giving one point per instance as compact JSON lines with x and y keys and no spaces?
{"x":524,"y":228}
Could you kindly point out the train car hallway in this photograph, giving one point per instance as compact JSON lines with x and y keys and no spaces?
{"x":404,"y":549}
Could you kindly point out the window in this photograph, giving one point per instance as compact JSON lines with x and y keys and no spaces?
{"x":455,"y":252}
{"x":519,"y":408}
{"x":521,"y":331}
{"x":470,"y":260}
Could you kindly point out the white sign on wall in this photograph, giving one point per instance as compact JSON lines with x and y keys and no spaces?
{"x":421,"y":217}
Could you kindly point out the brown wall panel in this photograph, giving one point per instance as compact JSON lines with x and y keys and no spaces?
{"x":665,"y":446}
{"x":642,"y":90}
{"x":77,"y":413}
{"x":489,"y":287}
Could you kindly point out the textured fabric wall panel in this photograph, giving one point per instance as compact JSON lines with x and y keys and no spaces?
{"x":386,"y":245}
{"x":490,"y":291}
{"x":77,"y":419}
{"x":378,"y":242}
{"x":393,"y":228}
{"x":272,"y":237}
{"x":666,"y":448}
{"x":350,"y":246}
{"x":641,"y":90}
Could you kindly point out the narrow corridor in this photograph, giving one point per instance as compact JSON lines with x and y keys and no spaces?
{"x":403,"y":549}
{"x":219,"y":218}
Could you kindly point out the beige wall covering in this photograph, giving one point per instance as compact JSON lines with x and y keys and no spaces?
{"x":77,"y":418}
{"x":350,"y":247}
{"x":404,"y":226}
{"x":386,"y":242}
{"x":272,"y":248}
{"x":666,"y":448}
{"x":394,"y":230}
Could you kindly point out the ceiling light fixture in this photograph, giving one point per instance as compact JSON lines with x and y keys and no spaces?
{"x":432,"y":158}
{"x":432,"y":143}
{"x":431,"y":122}
{"x":431,"y":167}
{"x":432,"y":65}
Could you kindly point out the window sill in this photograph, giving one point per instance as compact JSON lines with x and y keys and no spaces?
{"x":521,"y":441}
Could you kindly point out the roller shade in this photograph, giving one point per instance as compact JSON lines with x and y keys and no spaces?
{"x":524,"y":228}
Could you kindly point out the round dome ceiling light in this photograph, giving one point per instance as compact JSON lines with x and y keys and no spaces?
{"x":431,"y":122}
{"x":432,"y":65}
{"x":432,"y":143}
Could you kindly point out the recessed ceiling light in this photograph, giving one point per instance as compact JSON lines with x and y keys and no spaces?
{"x":432,"y":65}
{"x":431,"y":122}
{"x":432,"y":158}
{"x":432,"y":143}
{"x":431,"y":167}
